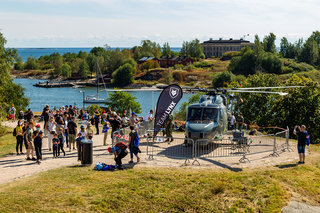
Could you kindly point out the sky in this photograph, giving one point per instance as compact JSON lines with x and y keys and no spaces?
{"x":124,"y":23}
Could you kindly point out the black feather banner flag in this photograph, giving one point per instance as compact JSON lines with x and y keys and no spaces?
{"x":168,"y":100}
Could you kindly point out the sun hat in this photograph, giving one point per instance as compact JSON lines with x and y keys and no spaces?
{"x":38,"y":125}
{"x":82,"y":127}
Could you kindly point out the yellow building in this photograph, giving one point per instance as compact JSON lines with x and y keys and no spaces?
{"x":216,"y":48}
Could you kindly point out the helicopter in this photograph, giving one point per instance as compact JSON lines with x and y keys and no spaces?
{"x":208,"y":119}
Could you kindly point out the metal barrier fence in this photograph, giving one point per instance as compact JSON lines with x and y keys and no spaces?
{"x":175,"y":148}
{"x":187,"y":149}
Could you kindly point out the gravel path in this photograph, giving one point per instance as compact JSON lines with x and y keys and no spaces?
{"x":14,"y":167}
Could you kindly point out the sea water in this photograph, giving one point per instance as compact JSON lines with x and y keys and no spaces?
{"x":57,"y":97}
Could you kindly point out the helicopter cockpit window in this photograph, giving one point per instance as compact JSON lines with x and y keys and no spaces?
{"x":210,"y":114}
{"x":194,"y":114}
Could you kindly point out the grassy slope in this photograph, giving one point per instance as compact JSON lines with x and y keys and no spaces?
{"x":7,"y":143}
{"x":162,"y":190}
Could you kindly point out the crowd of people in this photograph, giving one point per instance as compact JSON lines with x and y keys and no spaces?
{"x":61,"y":130}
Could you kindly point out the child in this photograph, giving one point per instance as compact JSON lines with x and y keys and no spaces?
{"x":83,"y":131}
{"x":55,"y":144}
{"x":89,"y":132}
{"x":105,"y":130}
{"x":133,"y":144}
{"x":61,"y":139}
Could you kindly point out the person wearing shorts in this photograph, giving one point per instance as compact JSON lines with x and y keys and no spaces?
{"x":302,"y":140}
{"x":72,"y":132}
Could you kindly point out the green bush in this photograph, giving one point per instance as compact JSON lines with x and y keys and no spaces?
{"x":230,"y":55}
{"x":31,"y":64}
{"x":178,"y":66}
{"x":202,"y":64}
{"x":123,"y":76}
{"x":18,"y":66}
{"x":293,"y":66}
{"x":219,"y":80}
{"x":47,"y":67}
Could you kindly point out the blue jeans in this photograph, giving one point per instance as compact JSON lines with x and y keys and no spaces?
{"x":133,"y":150}
{"x":301,"y":149}
{"x":66,"y":135}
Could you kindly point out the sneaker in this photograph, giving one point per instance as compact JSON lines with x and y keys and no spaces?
{"x":33,"y":159}
{"x":131,"y":161}
{"x":18,"y":154}
{"x":28,"y":158}
{"x":38,"y":162}
{"x":302,"y":162}
{"x":21,"y":153}
{"x":299,"y":162}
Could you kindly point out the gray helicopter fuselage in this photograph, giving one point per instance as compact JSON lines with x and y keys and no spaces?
{"x":208,"y":118}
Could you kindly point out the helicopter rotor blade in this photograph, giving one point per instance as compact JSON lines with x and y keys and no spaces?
{"x":258,"y":88}
{"x":259,"y":92}
{"x":130,"y":90}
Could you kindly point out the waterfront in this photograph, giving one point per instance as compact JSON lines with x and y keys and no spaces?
{"x":72,"y":96}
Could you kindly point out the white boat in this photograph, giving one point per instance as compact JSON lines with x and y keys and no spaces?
{"x":92,"y":99}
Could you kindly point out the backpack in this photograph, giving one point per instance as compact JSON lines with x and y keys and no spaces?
{"x":308,"y":139}
{"x":122,"y":145}
{"x":136,"y":140}
{"x":14,"y":133}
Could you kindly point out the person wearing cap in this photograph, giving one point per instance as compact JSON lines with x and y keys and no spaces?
{"x":83,"y":131}
{"x":119,"y":154}
{"x":12,"y":113}
{"x":37,"y":140}
{"x":133,"y":119}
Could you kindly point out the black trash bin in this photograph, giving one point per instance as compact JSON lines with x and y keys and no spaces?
{"x":87,"y":152}
{"x":79,"y":148}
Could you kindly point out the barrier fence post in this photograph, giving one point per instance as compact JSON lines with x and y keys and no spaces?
{"x":275,"y":152}
{"x":194,"y":153}
{"x":287,"y":140}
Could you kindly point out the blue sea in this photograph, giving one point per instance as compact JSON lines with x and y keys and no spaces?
{"x":37,"y":52}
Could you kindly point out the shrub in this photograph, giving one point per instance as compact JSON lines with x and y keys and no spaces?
{"x":220,"y":79}
{"x":31,"y":64}
{"x":90,"y":109}
{"x":230,"y":55}
{"x":123,"y":76}
{"x":178,"y":67}
{"x":202,"y":64}
{"x":18,"y":66}
{"x":46,"y":67}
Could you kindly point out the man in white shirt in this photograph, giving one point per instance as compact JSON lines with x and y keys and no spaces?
{"x":232,"y":121}
{"x":150,"y":116}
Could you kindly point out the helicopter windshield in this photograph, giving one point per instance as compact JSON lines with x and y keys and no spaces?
{"x":202,"y":114}
{"x":194,"y":114}
{"x":210,"y":114}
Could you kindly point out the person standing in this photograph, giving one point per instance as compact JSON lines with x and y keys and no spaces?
{"x":19,"y":137}
{"x":115,"y":124}
{"x":168,"y":128}
{"x":61,"y":140}
{"x":37,"y":140}
{"x":24,"y":129}
{"x":240,"y":122}
{"x":50,"y":127}
{"x":133,"y":146}
{"x":55,"y":145}
{"x":89,"y":131}
{"x":232,"y":121}
{"x":28,"y":115}
{"x":302,"y":141}
{"x":65,"y":121}
{"x":45,"y":114}
{"x":105,"y":130}
{"x":12,"y":113}
{"x":72,"y":132}
{"x":30,"y":149}
{"x":133,"y":119}
{"x":96,"y":120}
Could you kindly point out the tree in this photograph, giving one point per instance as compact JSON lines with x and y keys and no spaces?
{"x":166,"y":50}
{"x":150,"y":49}
{"x":287,"y":50}
{"x":91,"y":108}
{"x":220,"y":79}
{"x":98,"y":51}
{"x":271,"y":63}
{"x":66,"y":70}
{"x":31,"y":64}
{"x":310,"y":52}
{"x":123,"y":76}
{"x":84,"y":69}
{"x":11,"y":93}
{"x":245,"y":64}
{"x":192,"y":49}
{"x":57,"y":64}
{"x":269,"y":43}
{"x":120,"y":101}
{"x":151,"y":64}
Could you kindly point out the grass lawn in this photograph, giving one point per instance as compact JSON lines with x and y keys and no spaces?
{"x":78,"y":189}
{"x":7,"y":142}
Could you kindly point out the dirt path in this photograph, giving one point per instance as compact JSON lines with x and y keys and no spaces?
{"x":15,"y":167}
